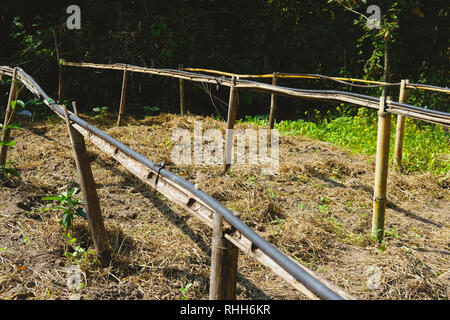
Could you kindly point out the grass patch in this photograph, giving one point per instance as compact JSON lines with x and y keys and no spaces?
{"x":426,"y":147}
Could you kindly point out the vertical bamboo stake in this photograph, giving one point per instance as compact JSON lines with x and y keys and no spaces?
{"x":381,"y":171}
{"x":182,"y":96}
{"x":273,"y":103}
{"x":75,"y":109}
{"x":9,"y":116}
{"x":60,"y":68}
{"x":400,"y":126}
{"x":93,"y":210}
{"x":60,"y":82}
{"x":122,"y":96}
{"x":224,"y":262}
{"x":232,"y":111}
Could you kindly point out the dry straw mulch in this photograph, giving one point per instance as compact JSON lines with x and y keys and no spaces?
{"x":317,"y":210}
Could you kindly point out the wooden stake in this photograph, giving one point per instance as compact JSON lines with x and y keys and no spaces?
{"x":60,"y":82}
{"x":9,"y":116}
{"x":398,"y":150}
{"x":75,"y":109}
{"x":381,"y":171}
{"x":122,"y":97}
{"x":232,"y":111}
{"x":60,"y":68}
{"x":273,"y":103}
{"x":93,"y":210}
{"x":182,"y":96}
{"x":224,"y":262}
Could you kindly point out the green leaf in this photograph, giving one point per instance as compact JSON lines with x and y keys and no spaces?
{"x":8,"y":143}
{"x":73,"y":191}
{"x":34,"y":101}
{"x":14,"y":126}
{"x":65,"y":221}
{"x":10,"y":171}
{"x":52,"y":198}
{"x":82,"y":213}
{"x":16,"y":103}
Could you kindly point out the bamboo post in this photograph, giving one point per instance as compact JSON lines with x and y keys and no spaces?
{"x":398,"y":150}
{"x":232,"y":111}
{"x":93,"y":210}
{"x":60,"y":68}
{"x":9,"y":116}
{"x":60,"y":82}
{"x":182,"y":96}
{"x":75,"y":108}
{"x":381,"y":171}
{"x":273,"y":103}
{"x":224,"y":262}
{"x":122,"y":96}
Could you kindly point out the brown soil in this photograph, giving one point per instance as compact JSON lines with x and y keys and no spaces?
{"x":317,"y":210}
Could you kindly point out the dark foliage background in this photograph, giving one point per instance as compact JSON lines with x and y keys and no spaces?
{"x":251,"y":36}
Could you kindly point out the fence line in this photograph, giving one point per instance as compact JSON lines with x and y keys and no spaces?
{"x":383,"y":105}
{"x":319,"y":76}
{"x":410,"y":111}
{"x":193,"y":200}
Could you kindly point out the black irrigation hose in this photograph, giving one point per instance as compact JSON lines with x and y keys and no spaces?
{"x":403,"y":106}
{"x":311,"y":283}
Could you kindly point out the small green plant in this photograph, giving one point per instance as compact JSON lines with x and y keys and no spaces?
{"x":278,"y":221}
{"x":69,"y":206}
{"x":417,"y":232}
{"x":185,"y":291}
{"x":260,"y":120}
{"x":99,"y":111}
{"x":26,"y":240}
{"x":151,"y":110}
{"x":10,"y":143}
{"x":391,"y":233}
{"x":8,"y":171}
{"x":270,"y":193}
{"x":79,"y":255}
{"x":323,"y":206}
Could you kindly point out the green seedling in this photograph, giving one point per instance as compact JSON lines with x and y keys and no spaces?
{"x":151,"y":110}
{"x":68,"y":206}
{"x":79,"y":255}
{"x":391,"y":233}
{"x":99,"y":111}
{"x":10,"y":143}
{"x":7,"y":171}
{"x":185,"y":291}
{"x":271,"y":194}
